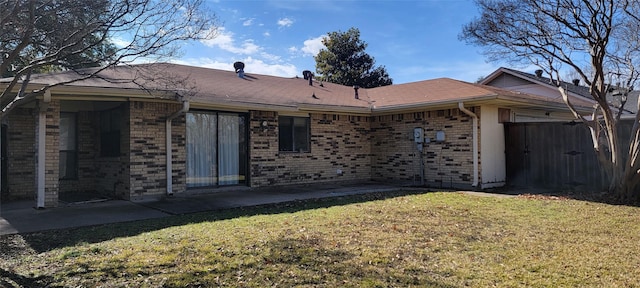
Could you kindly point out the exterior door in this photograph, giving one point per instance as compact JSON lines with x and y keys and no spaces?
{"x":216,"y":149}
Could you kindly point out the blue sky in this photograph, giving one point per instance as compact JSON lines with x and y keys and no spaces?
{"x":414,"y":39}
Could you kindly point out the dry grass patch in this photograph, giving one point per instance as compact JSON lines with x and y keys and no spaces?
{"x":435,"y":239}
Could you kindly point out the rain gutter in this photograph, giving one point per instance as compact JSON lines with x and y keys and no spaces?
{"x":475,"y":142}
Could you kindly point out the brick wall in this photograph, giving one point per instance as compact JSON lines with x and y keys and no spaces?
{"x":343,"y":148}
{"x":87,"y":145}
{"x":179,"y":154}
{"x":21,"y":162}
{"x":52,"y":156}
{"x":147,"y":142}
{"x":112,"y":173}
{"x":446,"y":164}
{"x":380,"y":148}
{"x":340,"y":151}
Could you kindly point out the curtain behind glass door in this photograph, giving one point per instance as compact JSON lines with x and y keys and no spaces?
{"x":229,"y":149}
{"x":201,"y":150}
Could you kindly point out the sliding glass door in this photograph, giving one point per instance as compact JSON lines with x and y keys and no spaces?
{"x":216,"y":149}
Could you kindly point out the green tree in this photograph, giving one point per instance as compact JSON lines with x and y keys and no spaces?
{"x":598,"y":40}
{"x":345,"y":62}
{"x":43,"y":35}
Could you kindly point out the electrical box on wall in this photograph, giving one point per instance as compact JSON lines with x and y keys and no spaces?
{"x":418,"y":135}
{"x":440,"y":136}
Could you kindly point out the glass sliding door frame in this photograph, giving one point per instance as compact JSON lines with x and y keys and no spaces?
{"x":216,"y":149}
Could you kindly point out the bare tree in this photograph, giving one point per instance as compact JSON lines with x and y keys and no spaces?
{"x":44,"y":35}
{"x":565,"y":35}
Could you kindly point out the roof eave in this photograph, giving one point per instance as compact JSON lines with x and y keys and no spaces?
{"x":503,"y":100}
{"x":241,"y":106}
{"x":334,"y":108}
{"x":431,"y":105}
{"x":503,"y":70}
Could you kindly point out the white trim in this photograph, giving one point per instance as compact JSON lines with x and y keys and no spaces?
{"x":42,"y":148}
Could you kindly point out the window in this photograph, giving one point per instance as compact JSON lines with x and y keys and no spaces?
{"x":294,"y":134}
{"x":110,"y":133}
{"x":68,"y":146}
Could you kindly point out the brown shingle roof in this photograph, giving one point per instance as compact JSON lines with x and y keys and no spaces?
{"x":218,"y":87}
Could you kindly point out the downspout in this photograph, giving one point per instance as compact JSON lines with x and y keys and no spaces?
{"x":185,"y":109}
{"x":475,"y":141}
{"x":42,"y":133}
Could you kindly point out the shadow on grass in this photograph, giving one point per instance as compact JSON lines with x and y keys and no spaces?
{"x":317,"y":263}
{"x":45,"y":241}
{"x":10,"y":279}
{"x":575,"y":194}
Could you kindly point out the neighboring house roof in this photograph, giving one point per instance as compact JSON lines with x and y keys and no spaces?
{"x":576,"y":92}
{"x":630,"y":106}
{"x":218,"y":88}
{"x":572,"y":88}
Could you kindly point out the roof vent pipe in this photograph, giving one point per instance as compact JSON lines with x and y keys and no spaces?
{"x":239,"y":68}
{"x":539,"y":72}
{"x":308,"y":76}
{"x":355,"y":89}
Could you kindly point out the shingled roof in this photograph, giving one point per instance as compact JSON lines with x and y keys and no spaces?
{"x":572,"y":88}
{"x":576,"y":92}
{"x":219,"y":88}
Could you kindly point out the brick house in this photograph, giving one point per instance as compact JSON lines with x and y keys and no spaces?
{"x":109,"y":135}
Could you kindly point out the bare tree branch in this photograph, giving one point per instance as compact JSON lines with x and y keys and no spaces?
{"x":561,"y":34}
{"x":72,"y":34}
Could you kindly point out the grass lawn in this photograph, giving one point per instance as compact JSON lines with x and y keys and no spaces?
{"x":434,"y":239}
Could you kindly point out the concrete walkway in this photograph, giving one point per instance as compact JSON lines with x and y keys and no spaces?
{"x":21,"y":217}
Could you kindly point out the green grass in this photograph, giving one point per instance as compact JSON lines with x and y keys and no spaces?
{"x":434,"y":239}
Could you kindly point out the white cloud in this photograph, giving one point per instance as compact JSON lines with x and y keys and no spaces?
{"x":266,"y":34}
{"x":260,"y":67}
{"x":293,"y":49}
{"x":225,"y":41}
{"x":270,"y":57}
{"x":247,"y":22}
{"x":120,"y":42}
{"x":313,"y":46}
{"x":252,"y":65}
{"x":285,"y":22}
{"x":468,"y":71}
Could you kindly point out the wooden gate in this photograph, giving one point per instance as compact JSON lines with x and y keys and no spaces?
{"x":556,"y":156}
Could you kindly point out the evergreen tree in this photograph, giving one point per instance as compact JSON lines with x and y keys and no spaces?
{"x":345,"y":62}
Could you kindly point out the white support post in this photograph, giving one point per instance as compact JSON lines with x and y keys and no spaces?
{"x":42,"y":149}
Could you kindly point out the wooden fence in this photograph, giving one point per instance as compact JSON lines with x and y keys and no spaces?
{"x":556,"y":156}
